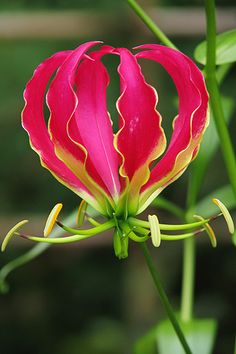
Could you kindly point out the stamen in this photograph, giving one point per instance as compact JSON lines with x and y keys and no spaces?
{"x":94,"y":230}
{"x":81,"y":213}
{"x":180,"y":236}
{"x":11,"y":233}
{"x":93,"y":221}
{"x":208,"y":230}
{"x":155,"y":230}
{"x":226,"y":214}
{"x":166,"y":227}
{"x":56,"y":240}
{"x":51,"y":220}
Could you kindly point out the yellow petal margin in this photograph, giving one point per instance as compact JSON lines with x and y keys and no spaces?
{"x":11,"y":233}
{"x":52,"y":217}
{"x":225,"y":214}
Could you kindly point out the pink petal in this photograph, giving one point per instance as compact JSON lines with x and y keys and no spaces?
{"x":62,"y":102}
{"x":34,"y":123}
{"x":140,"y":139}
{"x":91,"y":125}
{"x":190,"y":123}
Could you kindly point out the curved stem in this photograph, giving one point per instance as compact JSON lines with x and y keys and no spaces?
{"x":164,"y":298}
{"x":215,"y":99}
{"x":150,"y":24}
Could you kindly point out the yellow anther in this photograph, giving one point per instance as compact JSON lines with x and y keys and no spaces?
{"x":208,"y":229}
{"x":225,"y":214}
{"x":11,"y":233}
{"x":52,"y":217}
{"x":155,"y":230}
{"x":81,"y":213}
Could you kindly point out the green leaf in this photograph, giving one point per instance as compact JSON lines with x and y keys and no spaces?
{"x":207,"y":208}
{"x":147,"y":343}
{"x":225,"y":49}
{"x":208,"y":148}
{"x":200,"y":335}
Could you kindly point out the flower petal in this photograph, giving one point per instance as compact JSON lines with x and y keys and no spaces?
{"x":140,"y":138}
{"x":91,"y":125}
{"x":34,"y":123}
{"x":62,"y":102}
{"x":189,"y":125}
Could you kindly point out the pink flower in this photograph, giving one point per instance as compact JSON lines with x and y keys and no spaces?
{"x":113,"y":172}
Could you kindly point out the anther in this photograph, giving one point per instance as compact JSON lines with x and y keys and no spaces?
{"x":155,"y":230}
{"x":51,"y":220}
{"x":225,"y":214}
{"x":11,"y":233}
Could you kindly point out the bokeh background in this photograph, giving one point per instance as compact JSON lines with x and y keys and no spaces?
{"x":80,"y":298}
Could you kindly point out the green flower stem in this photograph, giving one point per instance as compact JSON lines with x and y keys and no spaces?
{"x":150,"y":24}
{"x":93,"y":231}
{"x":164,"y":298}
{"x":165,"y":227}
{"x":215,"y":98}
{"x":212,"y":76}
{"x":187,"y":298}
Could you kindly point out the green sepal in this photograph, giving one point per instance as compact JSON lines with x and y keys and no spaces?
{"x":200,"y":335}
{"x":117,"y":244}
{"x":124,"y":247}
{"x":121,"y":242}
{"x":225,"y":49}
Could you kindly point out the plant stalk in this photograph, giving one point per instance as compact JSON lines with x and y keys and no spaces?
{"x":187,"y":298}
{"x":164,"y":298}
{"x":215,"y":98}
{"x":150,"y":24}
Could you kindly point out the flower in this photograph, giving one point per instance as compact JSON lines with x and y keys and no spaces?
{"x":113,"y":172}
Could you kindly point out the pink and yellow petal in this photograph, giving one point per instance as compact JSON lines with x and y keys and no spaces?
{"x":62,"y":102}
{"x":188,"y":126}
{"x":90,"y":124}
{"x":140,"y":138}
{"x":34,"y":123}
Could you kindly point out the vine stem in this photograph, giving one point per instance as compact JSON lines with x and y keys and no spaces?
{"x":215,"y":99}
{"x":164,"y":298}
{"x":150,"y":24}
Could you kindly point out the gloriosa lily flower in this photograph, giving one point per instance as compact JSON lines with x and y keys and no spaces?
{"x":118,"y":174}
{"x":112,"y":171}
